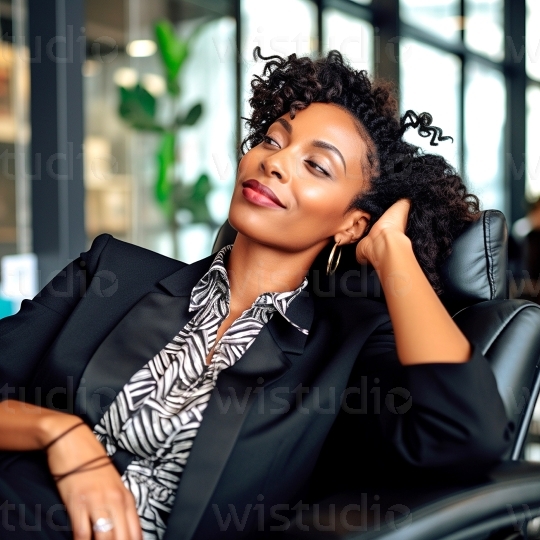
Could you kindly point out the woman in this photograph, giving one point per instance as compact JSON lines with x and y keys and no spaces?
{"x":237,"y":361}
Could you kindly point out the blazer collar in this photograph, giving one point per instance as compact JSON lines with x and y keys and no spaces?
{"x":287,"y":337}
{"x":181,"y":282}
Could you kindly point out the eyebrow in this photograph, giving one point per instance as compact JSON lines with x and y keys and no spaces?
{"x":319,"y":144}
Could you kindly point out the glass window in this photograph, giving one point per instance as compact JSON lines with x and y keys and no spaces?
{"x":18,"y":271}
{"x":441,"y":17}
{"x":485,"y":117}
{"x":264,"y":24}
{"x":352,"y":37}
{"x":209,"y":146}
{"x":484,"y":27}
{"x":533,"y":39}
{"x":160,"y":139}
{"x":532,"y":182}
{"x":437,"y":94}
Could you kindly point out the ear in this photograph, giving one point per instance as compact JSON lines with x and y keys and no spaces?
{"x":353,"y":227}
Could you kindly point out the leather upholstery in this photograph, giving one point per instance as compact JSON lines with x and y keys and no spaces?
{"x":508,"y":332}
{"x":225,"y":236}
{"x":476,"y":268}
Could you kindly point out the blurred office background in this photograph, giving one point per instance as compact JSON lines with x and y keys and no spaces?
{"x":123,"y":116}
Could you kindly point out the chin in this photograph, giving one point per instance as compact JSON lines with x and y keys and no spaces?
{"x":252,"y":224}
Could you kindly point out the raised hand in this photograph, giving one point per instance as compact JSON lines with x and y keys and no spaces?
{"x":392,"y":222}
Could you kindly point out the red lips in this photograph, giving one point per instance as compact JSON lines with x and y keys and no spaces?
{"x":259,"y":194}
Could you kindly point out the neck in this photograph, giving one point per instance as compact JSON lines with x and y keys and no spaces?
{"x":254,"y":269}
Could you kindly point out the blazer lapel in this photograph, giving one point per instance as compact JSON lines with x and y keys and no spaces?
{"x":140,"y":335}
{"x":147,"y":327}
{"x":269,"y":357}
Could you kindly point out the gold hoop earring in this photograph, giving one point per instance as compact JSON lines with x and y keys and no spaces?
{"x":331,"y":267}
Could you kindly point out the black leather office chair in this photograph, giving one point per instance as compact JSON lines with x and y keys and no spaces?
{"x":507,"y":504}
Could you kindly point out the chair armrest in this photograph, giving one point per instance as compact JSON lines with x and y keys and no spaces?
{"x":508,"y":334}
{"x":506,"y":502}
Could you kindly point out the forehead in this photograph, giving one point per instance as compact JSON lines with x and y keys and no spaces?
{"x":320,"y":120}
{"x":333,"y":124}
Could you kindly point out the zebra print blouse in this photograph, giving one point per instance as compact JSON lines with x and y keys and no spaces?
{"x":158,"y":412}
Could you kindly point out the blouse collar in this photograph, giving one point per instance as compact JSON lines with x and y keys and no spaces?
{"x":215,"y":284}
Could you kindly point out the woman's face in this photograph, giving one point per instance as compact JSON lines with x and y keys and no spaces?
{"x":293,"y":189}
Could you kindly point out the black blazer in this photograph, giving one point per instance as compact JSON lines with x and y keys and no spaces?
{"x":78,"y":342}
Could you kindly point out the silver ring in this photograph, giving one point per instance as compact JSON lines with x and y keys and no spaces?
{"x":103,"y":525}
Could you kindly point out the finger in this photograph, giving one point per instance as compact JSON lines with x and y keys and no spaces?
{"x":360,"y":256}
{"x":406,"y":201}
{"x":121,"y":528}
{"x":80,"y":522}
{"x":406,"y":204}
{"x":104,"y":525}
{"x":402,"y":206}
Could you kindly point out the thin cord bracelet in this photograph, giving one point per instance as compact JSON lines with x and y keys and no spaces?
{"x":48,"y":445}
{"x":81,"y":468}
{"x":61,"y":477}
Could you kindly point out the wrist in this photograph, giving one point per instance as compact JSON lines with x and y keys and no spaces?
{"x":387,"y":244}
{"x":52,"y":424}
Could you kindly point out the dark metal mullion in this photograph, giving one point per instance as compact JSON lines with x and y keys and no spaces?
{"x":351,"y":8}
{"x":320,"y":32}
{"x":457,"y":48}
{"x":56,"y":122}
{"x":239,"y":82}
{"x":464,"y":59}
{"x":386,"y":18}
{"x":462,"y":130}
{"x":516,"y":84}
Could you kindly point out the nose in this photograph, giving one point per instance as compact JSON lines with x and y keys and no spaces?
{"x":275,"y":165}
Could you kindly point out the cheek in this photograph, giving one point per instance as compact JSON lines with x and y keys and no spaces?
{"x":248,"y":162}
{"x":240,"y":169}
{"x":321,"y":201}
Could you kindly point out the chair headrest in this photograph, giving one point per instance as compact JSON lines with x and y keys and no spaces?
{"x":475,"y":270}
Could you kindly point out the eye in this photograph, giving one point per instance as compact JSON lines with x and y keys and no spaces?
{"x":269,"y":140}
{"x":317,"y":167}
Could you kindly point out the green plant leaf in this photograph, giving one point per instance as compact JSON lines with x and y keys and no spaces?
{"x":138,"y":108}
{"x":193,"y":198}
{"x":201,"y":188}
{"x":165,"y":158}
{"x":173,"y":87}
{"x":173,"y":51}
{"x":191,"y":117}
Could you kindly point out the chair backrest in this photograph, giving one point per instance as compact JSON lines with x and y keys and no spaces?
{"x":476,"y":269}
{"x":475,"y":281}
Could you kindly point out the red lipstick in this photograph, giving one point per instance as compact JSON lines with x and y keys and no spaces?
{"x":261,"y":195}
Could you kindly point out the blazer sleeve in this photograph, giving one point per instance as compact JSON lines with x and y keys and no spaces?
{"x":26,"y":336}
{"x":437,"y":414}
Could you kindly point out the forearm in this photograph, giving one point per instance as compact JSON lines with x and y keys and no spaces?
{"x":424,"y":331}
{"x":28,"y":427}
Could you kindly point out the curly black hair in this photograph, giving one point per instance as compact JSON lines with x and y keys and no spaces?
{"x":441,"y":205}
